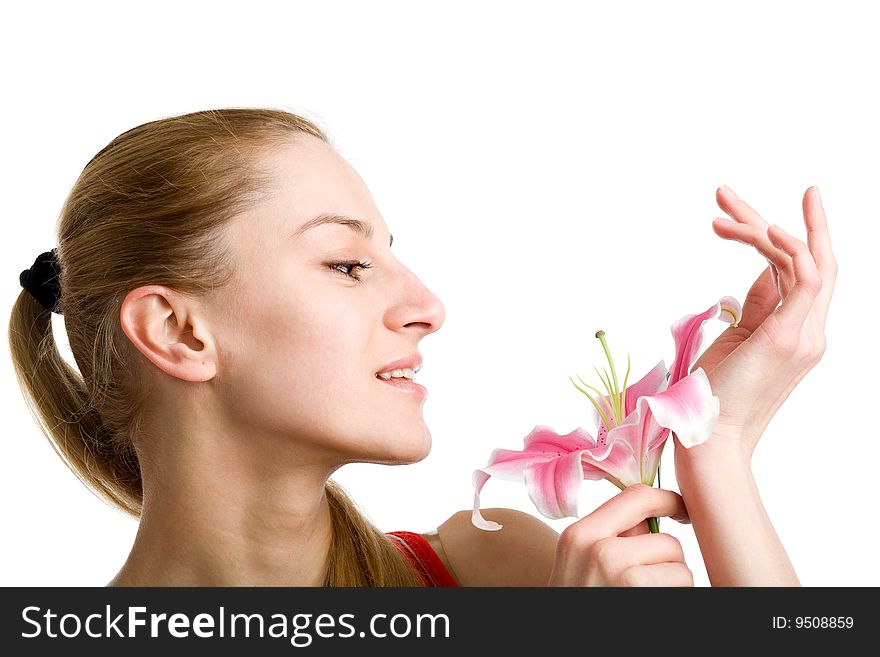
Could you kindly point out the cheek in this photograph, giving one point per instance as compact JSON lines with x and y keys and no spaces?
{"x":315,"y":380}
{"x":330,"y":339}
{"x":309,"y":356}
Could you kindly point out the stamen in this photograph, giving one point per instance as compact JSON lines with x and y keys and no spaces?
{"x":735,"y":318}
{"x":601,"y":336}
{"x":623,"y":396}
{"x":613,"y":399}
{"x":606,"y":382}
{"x":602,"y":415}
{"x":615,"y":393}
{"x":602,"y":396}
{"x":616,"y":399}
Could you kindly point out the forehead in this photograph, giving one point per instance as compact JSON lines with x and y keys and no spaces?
{"x":311,"y":178}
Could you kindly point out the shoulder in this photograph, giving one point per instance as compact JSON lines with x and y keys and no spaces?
{"x":521,"y":553}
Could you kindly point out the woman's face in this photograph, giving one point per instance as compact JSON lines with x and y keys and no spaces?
{"x":300,"y":341}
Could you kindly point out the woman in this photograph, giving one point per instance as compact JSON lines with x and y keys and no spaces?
{"x":242,"y":329}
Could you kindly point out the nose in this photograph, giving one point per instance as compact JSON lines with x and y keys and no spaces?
{"x":418,"y":310}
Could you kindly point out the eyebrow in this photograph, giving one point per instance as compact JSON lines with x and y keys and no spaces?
{"x":360,"y":226}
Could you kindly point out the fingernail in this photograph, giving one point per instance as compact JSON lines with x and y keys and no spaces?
{"x":729,"y":191}
{"x":818,"y":196}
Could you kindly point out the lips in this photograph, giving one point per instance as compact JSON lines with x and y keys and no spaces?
{"x":411,"y":362}
{"x":408,"y":386}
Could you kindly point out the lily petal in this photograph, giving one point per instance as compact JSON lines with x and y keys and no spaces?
{"x":544,"y":449}
{"x":553,"y":486}
{"x":543,"y":439}
{"x":479,"y":479}
{"x":508,"y":464}
{"x":650,"y":384}
{"x":542,"y":445}
{"x":619,"y":464}
{"x":639,"y":432}
{"x":653,"y":382}
{"x":688,"y":334}
{"x":687,"y":408}
{"x":731,"y":311}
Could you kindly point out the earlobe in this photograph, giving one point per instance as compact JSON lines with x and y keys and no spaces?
{"x":168,"y":329}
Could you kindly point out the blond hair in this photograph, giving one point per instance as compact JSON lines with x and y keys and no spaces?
{"x":158,"y":194}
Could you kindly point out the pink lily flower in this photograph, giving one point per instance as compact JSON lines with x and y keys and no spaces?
{"x":633,"y":425}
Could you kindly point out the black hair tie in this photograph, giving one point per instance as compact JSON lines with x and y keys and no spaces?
{"x":41,"y":280}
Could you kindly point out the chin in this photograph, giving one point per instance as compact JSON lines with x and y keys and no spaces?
{"x":404,"y":449}
{"x":422,"y":453}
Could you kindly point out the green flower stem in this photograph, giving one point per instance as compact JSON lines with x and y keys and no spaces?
{"x":654,"y":523}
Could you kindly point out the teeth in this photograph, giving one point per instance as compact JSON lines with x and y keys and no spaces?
{"x":398,"y":374}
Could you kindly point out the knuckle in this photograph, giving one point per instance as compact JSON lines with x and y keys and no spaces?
{"x":786,"y":347}
{"x":779,"y":338}
{"x":687,"y":577}
{"x":638,"y":491}
{"x":812,"y":282}
{"x":674,"y":544}
{"x":580,"y":536}
{"x":632,"y":577}
{"x":807,"y":361}
{"x":574,"y":538}
{"x":605,"y":555}
{"x":794,"y":351}
{"x":810,"y":355}
{"x":819,"y":349}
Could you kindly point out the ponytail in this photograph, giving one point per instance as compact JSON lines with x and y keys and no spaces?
{"x":59,"y":401}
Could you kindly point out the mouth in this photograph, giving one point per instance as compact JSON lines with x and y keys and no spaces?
{"x":400,"y":375}
{"x":407,"y":386}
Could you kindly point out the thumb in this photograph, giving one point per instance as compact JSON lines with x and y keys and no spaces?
{"x":641,"y":528}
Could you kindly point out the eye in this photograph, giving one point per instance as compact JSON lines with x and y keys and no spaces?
{"x":350,"y":269}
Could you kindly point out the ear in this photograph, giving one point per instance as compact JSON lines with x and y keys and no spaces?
{"x":170,"y":330}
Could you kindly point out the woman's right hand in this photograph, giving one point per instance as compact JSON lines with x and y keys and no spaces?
{"x":612,"y":546}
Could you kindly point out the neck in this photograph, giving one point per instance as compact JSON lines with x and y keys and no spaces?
{"x":230,"y":517}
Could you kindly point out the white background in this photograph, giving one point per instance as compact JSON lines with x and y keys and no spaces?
{"x":548,"y":169}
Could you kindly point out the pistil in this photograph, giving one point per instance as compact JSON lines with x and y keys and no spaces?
{"x":615,"y":396}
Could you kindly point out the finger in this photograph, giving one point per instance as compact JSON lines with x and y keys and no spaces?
{"x":774,"y":274}
{"x":808,"y":281}
{"x":819,"y":241}
{"x":631,"y":506}
{"x":741,"y":211}
{"x":774,"y":254}
{"x":781,"y":269}
{"x":818,"y":238}
{"x":757,"y":237}
{"x":649,"y":549}
{"x":660,"y":574}
{"x":637,"y":530}
{"x":762,"y":299}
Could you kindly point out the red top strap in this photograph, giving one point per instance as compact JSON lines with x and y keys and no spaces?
{"x":423,"y":557}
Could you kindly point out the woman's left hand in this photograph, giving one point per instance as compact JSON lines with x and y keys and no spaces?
{"x":754,"y":366}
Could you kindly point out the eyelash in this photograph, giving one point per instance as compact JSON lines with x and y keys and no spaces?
{"x":354,"y":265}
